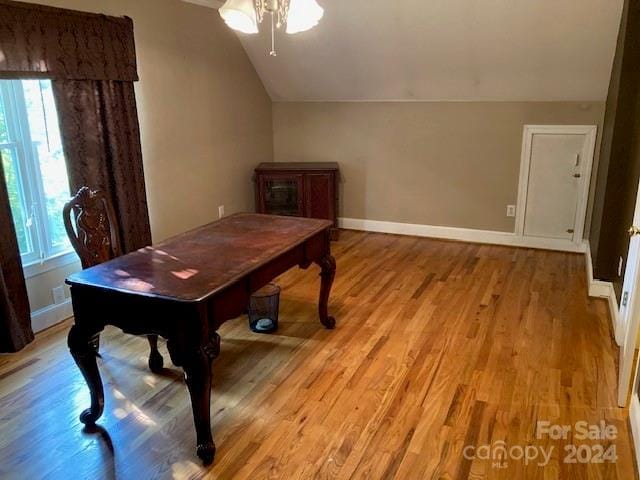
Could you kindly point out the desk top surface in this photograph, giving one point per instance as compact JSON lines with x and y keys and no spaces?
{"x":196,"y":264}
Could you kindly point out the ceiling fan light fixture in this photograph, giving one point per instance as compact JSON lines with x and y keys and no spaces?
{"x":240,"y":15}
{"x":303,"y":15}
{"x":247,"y":15}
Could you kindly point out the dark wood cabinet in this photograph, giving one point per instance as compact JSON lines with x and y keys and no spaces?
{"x":299,"y":189}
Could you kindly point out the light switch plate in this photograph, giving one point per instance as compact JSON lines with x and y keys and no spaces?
{"x":511,"y":210}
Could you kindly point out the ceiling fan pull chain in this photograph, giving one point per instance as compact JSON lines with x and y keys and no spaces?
{"x":273,"y":52}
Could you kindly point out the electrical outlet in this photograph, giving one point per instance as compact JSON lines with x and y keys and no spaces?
{"x":221,"y":211}
{"x":58,"y":295}
{"x":511,"y":210}
{"x":620,"y":263}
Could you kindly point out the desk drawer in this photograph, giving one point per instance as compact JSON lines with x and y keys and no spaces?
{"x":276,"y":267}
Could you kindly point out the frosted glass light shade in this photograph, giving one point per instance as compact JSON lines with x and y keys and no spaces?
{"x":240,"y":15}
{"x":303,"y":15}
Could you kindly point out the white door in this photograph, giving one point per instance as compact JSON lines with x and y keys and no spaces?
{"x":555,"y":172}
{"x":628,"y":328}
{"x":628,"y":324}
{"x":555,"y":180}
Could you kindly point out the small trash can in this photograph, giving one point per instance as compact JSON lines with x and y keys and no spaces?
{"x":263,"y":309}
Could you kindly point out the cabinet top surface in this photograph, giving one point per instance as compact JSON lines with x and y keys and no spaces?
{"x":197,"y":264}
{"x":305,"y":166}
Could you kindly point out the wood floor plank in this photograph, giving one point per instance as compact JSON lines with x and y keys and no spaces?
{"x":440,"y":346}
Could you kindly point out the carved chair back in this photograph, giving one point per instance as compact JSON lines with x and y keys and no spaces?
{"x":94,"y":235}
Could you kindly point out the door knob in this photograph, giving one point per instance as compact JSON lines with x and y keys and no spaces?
{"x":633,"y":230}
{"x":577,"y":175}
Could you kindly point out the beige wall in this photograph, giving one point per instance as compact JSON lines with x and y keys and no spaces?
{"x":40,"y":286}
{"x":444,"y":163}
{"x":205,"y":117}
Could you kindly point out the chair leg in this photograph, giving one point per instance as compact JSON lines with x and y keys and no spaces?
{"x":156,"y":362}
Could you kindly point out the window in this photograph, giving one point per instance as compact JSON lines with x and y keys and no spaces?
{"x":34,"y":168}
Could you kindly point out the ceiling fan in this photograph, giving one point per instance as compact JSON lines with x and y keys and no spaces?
{"x":247,"y":15}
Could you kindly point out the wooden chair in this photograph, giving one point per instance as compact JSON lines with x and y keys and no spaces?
{"x":95,"y":241}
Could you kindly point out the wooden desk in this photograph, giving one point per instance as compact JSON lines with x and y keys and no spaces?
{"x":185,"y":288}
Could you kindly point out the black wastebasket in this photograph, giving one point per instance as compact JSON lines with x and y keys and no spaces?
{"x":263,"y":309}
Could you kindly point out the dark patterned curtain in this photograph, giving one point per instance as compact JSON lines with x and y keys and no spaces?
{"x":92,"y":63}
{"x":101,"y":136}
{"x":15,"y":315}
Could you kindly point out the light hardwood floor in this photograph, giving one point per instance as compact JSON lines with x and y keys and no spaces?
{"x":439,"y":345}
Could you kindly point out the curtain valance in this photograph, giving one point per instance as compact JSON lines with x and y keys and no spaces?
{"x":42,"y":41}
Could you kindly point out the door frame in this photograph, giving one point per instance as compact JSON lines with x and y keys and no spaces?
{"x":588,"y":151}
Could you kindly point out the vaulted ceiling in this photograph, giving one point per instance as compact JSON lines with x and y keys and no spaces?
{"x":472,"y":50}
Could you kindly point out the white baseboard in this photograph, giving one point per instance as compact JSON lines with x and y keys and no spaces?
{"x":51,"y":315}
{"x":614,"y":311}
{"x":602,"y":289}
{"x":461,"y":234}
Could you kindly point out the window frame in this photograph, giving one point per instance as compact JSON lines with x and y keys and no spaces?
{"x":43,"y":256}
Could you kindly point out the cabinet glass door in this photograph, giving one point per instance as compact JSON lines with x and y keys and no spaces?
{"x":283,"y":195}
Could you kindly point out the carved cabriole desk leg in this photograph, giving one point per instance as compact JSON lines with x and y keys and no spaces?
{"x":197,"y":368}
{"x":83,"y":337}
{"x":328,"y":273}
{"x":195,"y":359}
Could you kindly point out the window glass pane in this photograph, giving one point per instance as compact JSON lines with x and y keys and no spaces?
{"x":47,"y":149}
{"x":16,"y":199}
{"x":4,"y":133}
